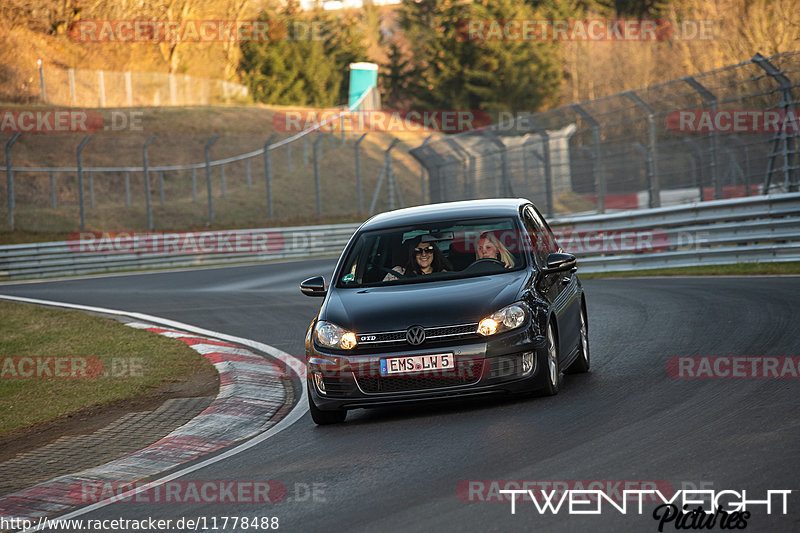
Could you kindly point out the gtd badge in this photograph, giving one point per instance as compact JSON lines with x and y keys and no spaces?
{"x":367,"y":338}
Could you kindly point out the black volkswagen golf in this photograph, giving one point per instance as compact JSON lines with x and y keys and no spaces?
{"x":444,"y":301}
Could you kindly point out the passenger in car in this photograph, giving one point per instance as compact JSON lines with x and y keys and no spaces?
{"x":490,"y":247}
{"x":424,"y":257}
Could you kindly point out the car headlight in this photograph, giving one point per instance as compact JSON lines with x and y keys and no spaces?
{"x":507,"y":318}
{"x":330,"y":335}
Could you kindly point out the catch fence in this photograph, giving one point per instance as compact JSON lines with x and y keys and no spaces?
{"x":720,"y":134}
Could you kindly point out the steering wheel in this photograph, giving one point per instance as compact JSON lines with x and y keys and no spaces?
{"x":393,"y":272}
{"x":485,"y":262}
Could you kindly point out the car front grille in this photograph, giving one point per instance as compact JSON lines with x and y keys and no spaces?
{"x":468,"y":373}
{"x":389,"y":338}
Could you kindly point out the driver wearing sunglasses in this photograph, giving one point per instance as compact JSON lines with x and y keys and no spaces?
{"x":424,"y":258}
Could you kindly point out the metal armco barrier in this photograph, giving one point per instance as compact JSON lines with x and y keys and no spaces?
{"x":760,"y":228}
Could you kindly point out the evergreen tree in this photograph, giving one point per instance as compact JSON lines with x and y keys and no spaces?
{"x":511,"y":74}
{"x":395,"y":77}
{"x":305,"y":60}
{"x":345,"y":44}
{"x":439,"y":56}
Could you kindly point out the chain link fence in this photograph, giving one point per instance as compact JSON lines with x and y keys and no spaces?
{"x":727,"y":133}
{"x":324,"y":171}
{"x":105,"y":88}
{"x":721,"y":134}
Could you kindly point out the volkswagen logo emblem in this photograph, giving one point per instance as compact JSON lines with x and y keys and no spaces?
{"x":415,"y":335}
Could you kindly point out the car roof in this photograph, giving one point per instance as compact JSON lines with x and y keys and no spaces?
{"x":492,"y":207}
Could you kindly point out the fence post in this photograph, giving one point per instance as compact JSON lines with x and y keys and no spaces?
{"x":711,"y":102}
{"x":341,"y":125}
{"x":41,"y":80}
{"x":91,"y":189}
{"x":101,"y":87}
{"x":505,"y":184}
{"x":651,"y":155}
{"x":173,"y":89}
{"x":127,"y":188}
{"x":599,"y":168}
{"x":147,"y":182}
{"x":386,"y":172}
{"x":788,"y":151}
{"x":541,"y":158}
{"x":377,"y":189}
{"x":194,"y":185}
{"x":128,"y":88}
{"x":208,"y":178}
{"x":746,"y":151}
{"x":316,"y":173}
{"x":53,"y":201}
{"x":391,"y":186}
{"x":10,"y":179}
{"x":80,"y":179}
{"x":249,"y":176}
{"x":222,"y":178}
{"x":647,"y":162}
{"x":72,"y":96}
{"x":268,"y":170}
{"x":422,"y":173}
{"x":358,"y":174}
{"x":696,"y":157}
{"x":467,"y":164}
{"x":161,"y":186}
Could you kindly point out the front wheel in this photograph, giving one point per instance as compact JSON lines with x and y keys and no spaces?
{"x":581,"y":364}
{"x":323,"y":418}
{"x":552,"y":368}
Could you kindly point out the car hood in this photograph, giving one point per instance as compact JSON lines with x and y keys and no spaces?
{"x":429,"y":304}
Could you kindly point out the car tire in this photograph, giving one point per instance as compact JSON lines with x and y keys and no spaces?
{"x":581,"y":364}
{"x":551,"y":367}
{"x":324,"y":418}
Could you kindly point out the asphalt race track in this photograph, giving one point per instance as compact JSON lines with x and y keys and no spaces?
{"x":398,"y":469}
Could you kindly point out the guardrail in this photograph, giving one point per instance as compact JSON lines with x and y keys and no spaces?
{"x":760,"y":228}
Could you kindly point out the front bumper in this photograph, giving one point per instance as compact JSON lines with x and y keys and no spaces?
{"x":483,"y":367}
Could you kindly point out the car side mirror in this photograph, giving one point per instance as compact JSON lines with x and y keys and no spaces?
{"x":558,"y":262}
{"x":314,"y":286}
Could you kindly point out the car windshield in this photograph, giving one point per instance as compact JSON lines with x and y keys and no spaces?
{"x":427,"y":252}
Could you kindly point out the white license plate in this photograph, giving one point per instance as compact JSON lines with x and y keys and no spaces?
{"x":417,"y":363}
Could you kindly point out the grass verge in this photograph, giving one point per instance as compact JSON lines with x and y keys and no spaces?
{"x":41,"y":341}
{"x":737,"y":269}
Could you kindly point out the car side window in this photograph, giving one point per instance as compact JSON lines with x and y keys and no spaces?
{"x":542,"y":241}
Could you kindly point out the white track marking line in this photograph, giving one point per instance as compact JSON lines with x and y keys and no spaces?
{"x":289,"y":360}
